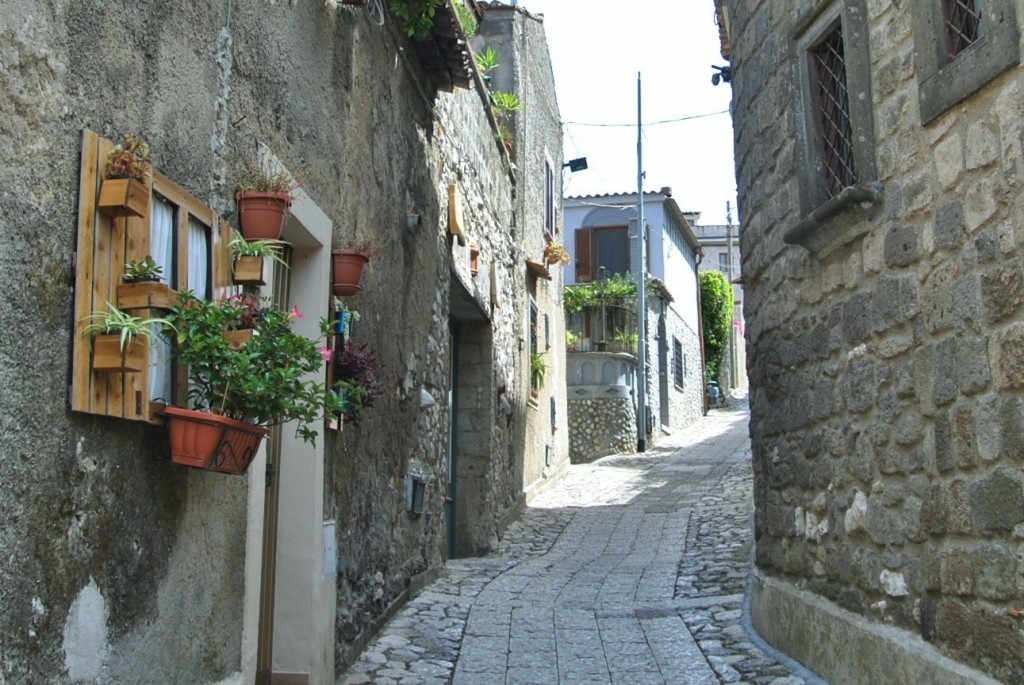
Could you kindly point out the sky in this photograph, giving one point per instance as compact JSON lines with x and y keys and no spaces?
{"x":597,"y":49}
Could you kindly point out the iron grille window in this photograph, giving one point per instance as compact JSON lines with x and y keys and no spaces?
{"x":678,"y":362}
{"x":833,"y":104}
{"x":963,"y":24}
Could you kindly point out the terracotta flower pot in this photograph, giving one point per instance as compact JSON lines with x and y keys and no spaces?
{"x":261,"y":215}
{"x":346,"y":271}
{"x":207,"y":441}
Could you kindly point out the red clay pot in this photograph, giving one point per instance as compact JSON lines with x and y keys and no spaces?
{"x":215,"y":443}
{"x":261,"y":215}
{"x":346,"y":271}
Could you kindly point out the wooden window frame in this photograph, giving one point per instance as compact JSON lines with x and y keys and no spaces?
{"x":105,"y":245}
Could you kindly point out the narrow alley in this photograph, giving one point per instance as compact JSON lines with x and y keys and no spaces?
{"x":631,"y":569}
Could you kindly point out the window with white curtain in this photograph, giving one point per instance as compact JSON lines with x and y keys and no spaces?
{"x":170,"y":227}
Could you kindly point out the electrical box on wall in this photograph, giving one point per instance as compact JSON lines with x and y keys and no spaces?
{"x":330,"y":549}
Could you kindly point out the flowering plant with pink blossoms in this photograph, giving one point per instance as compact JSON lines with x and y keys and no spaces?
{"x":266,"y":380}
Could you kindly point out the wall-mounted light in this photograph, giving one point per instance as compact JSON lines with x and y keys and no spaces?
{"x":578,"y":164}
{"x":724,"y":74}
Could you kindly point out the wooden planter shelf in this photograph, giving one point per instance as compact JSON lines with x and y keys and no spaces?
{"x":108,"y":357}
{"x":146,"y":294}
{"x":123,"y":197}
{"x":249,"y":271}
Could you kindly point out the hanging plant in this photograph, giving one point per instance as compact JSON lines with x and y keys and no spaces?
{"x":357,"y":382}
{"x":123,"y":191}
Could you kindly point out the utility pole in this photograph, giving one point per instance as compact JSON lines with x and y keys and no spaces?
{"x":641,"y":283}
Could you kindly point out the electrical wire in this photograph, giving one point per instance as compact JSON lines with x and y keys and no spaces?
{"x":652,"y":123}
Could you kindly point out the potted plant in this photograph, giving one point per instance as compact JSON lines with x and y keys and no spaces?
{"x":347,"y":267}
{"x":263,"y":198}
{"x":123,"y":191}
{"x":236,"y":394}
{"x":119,"y":340}
{"x":247,"y":258}
{"x":556,"y":253}
{"x":144,"y":270}
{"x":142,"y":288}
{"x":356,"y":379}
{"x":538,"y":369}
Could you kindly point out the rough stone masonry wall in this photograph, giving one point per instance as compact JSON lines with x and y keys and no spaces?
{"x":102,"y":540}
{"x":599,"y":427}
{"x":521,"y":43}
{"x":887,"y":379}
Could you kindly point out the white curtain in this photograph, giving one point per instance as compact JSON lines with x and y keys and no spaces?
{"x":198,"y":258}
{"x":161,"y":237}
{"x":161,"y":246}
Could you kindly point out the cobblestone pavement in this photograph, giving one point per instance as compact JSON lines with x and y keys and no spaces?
{"x":631,"y":570}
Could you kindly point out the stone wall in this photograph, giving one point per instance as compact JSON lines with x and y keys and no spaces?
{"x":519,"y":38}
{"x":884,"y":360}
{"x":117,"y":565}
{"x":600,"y":426}
{"x":686,"y":401}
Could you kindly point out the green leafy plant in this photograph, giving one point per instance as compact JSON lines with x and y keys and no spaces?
{"x":417,"y":16}
{"x":142,"y":270}
{"x":116,"y":322}
{"x":264,"y":382}
{"x":240,"y":247}
{"x":505,"y":102}
{"x":716,"y":305}
{"x":538,"y":369}
{"x":487,"y":61}
{"x":129,"y":158}
{"x":466,"y":18}
{"x":572,"y":341}
{"x":599,"y":292}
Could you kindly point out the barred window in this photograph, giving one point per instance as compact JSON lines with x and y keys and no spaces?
{"x":962,"y":20}
{"x":960,"y":46}
{"x":835,"y":133}
{"x":839,"y":189}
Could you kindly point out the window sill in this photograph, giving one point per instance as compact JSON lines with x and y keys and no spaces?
{"x":835,"y":223}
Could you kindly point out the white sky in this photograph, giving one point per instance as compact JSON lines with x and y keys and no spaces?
{"x":597,"y":47}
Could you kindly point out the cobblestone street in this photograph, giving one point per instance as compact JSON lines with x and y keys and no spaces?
{"x":631,"y":569}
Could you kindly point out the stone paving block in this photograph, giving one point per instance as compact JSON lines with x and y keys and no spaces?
{"x":639,"y":678}
{"x":600,"y":581}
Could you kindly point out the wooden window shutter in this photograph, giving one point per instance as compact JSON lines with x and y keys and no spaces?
{"x":584,"y":254}
{"x":104,"y":245}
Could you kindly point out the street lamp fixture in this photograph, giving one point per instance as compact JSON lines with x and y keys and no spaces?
{"x":578,"y":164}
